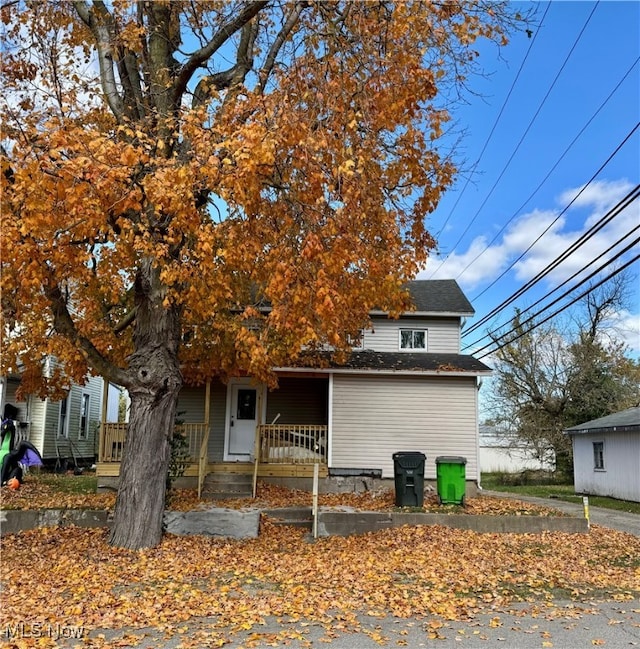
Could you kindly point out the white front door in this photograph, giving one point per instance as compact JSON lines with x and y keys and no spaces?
{"x":243,"y":403}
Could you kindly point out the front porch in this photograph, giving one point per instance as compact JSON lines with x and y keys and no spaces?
{"x":280,"y":451}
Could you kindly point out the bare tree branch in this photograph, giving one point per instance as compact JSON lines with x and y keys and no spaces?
{"x":103,"y":30}
{"x":236,"y":74}
{"x":125,"y":322}
{"x":290,"y":23}
{"x":242,"y":17}
{"x":64,"y":324}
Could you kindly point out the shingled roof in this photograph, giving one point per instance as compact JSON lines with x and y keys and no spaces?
{"x":362,"y":362}
{"x":412,"y":362}
{"x":442,"y":296}
{"x":622,"y":422}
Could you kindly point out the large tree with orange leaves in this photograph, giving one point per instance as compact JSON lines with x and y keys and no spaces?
{"x":171,"y":168}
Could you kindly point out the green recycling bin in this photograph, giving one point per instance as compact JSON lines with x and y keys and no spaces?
{"x":408,"y":471}
{"x":451,"y":479}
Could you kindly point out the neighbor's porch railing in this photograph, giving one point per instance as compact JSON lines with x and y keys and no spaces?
{"x":291,"y":444}
{"x":114,"y":435}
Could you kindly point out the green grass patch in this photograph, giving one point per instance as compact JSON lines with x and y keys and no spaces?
{"x":559,"y":490}
{"x":67,"y":484}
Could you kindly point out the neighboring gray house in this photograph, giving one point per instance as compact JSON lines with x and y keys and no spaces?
{"x":62,"y":431}
{"x":606,"y":455}
{"x":407,"y":387}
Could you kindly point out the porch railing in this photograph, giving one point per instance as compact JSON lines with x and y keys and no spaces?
{"x":114,"y":435}
{"x":202,"y":460}
{"x":112,"y":442}
{"x":277,"y":444}
{"x":292,"y":444}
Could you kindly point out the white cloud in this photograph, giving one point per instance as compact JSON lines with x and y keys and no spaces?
{"x":481,"y":263}
{"x":627,"y":328}
{"x":600,"y":196}
{"x":484,"y":266}
{"x":597,"y":199}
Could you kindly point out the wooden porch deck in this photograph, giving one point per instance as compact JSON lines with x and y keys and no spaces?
{"x":281,"y":450}
{"x":278,"y":470}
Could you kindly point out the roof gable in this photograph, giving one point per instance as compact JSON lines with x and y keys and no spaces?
{"x":439,"y":296}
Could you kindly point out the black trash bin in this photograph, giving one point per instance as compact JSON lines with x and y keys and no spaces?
{"x":408,"y":469}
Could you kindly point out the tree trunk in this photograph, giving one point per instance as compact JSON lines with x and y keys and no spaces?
{"x":155,"y":383}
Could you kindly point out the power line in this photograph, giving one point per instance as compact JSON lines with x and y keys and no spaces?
{"x":533,"y":119}
{"x":566,"y":281}
{"x":605,"y":220}
{"x":558,"y":161}
{"x":566,"y":293}
{"x":555,"y":313}
{"x":533,"y":281}
{"x":495,"y":124}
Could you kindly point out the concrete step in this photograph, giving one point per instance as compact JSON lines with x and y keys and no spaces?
{"x":291,"y":517}
{"x":219,"y":486}
{"x":225,"y":494}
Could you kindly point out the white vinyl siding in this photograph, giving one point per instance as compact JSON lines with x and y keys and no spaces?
{"x":621,"y":475}
{"x":443,"y":334}
{"x":190,"y":407}
{"x":81,"y":448}
{"x":374,"y":417}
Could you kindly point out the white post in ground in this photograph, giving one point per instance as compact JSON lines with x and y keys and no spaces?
{"x":585,"y":504}
{"x":314,"y":508}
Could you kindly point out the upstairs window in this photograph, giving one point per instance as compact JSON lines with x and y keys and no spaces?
{"x":356,"y":342}
{"x":598,"y":456}
{"x":413,"y":339}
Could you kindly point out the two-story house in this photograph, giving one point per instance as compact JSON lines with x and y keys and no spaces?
{"x":405,"y":387}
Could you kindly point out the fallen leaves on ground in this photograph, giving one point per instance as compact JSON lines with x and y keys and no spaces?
{"x":72,"y":576}
{"x":36,"y":493}
{"x":270,"y":496}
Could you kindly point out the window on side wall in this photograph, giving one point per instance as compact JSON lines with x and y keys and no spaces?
{"x":413,"y":339}
{"x":84,"y":417}
{"x":598,"y":456}
{"x":63,"y":422}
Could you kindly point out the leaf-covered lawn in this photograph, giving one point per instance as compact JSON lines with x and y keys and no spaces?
{"x":406,"y":573}
{"x":71,"y":576}
{"x":49,"y":491}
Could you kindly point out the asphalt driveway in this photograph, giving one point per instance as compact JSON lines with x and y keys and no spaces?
{"x":623,"y":521}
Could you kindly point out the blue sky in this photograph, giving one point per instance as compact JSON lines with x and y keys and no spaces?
{"x":506,"y":204}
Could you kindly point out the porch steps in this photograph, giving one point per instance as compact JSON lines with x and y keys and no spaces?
{"x":222,"y":486}
{"x":291,"y":516}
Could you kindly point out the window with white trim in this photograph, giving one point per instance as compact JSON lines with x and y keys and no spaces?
{"x":63,"y":421}
{"x":598,"y":456}
{"x":84,"y":417}
{"x":356,"y":342}
{"x":413,"y":339}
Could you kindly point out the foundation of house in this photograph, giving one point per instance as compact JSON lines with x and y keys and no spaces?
{"x":327,"y":485}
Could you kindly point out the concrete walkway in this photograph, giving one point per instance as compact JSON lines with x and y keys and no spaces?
{"x":623,"y":521}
